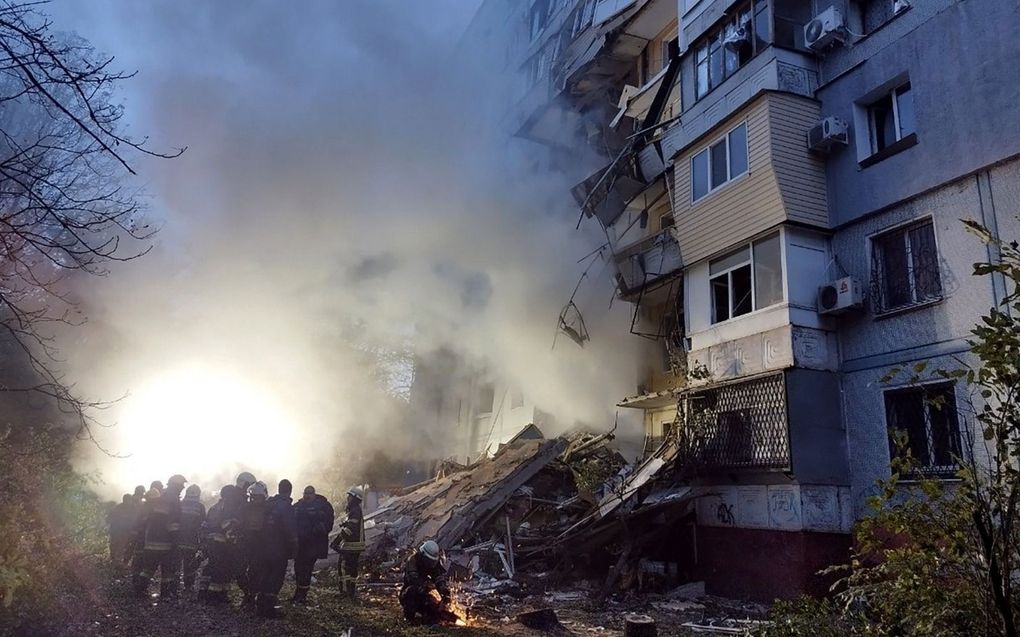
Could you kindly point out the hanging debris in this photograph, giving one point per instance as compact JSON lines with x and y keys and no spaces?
{"x":572,"y":324}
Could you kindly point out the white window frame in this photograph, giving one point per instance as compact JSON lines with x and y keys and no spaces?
{"x":873,"y":125}
{"x":754,"y":278}
{"x":729,"y":177}
{"x":904,"y":228}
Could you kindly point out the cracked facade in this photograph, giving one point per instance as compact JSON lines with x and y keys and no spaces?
{"x":780,"y":183}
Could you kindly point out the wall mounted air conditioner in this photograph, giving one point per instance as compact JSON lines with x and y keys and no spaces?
{"x":827,"y":133}
{"x":825,"y":29}
{"x":839,"y":296}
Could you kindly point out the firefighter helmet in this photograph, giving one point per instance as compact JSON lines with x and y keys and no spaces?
{"x":259,"y":488}
{"x":430,"y":550}
{"x":177,"y":480}
{"x":357,"y":492}
{"x":245,"y":480}
{"x":194,"y":491}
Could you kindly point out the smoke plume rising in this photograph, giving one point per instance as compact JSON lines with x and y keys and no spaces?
{"x":345,"y":192}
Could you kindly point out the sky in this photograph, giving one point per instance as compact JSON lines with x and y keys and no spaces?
{"x":339,"y":172}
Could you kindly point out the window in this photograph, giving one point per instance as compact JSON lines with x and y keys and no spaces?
{"x":727,"y":47}
{"x":905,"y":267}
{"x":928,"y":417}
{"x":747,"y":279}
{"x":537,"y":17}
{"x":486,"y":396}
{"x":670,"y":50}
{"x":666,"y":221}
{"x":891,"y":118}
{"x":724,"y":160}
{"x":791,"y":16}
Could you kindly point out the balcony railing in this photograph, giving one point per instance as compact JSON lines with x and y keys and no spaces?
{"x":652,"y":259}
{"x":741,"y":425}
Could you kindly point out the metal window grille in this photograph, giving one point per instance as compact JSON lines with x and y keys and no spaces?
{"x":742,"y":425}
{"x":905,"y":267}
{"x":928,"y":417}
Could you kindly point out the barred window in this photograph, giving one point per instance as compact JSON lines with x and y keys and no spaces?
{"x":928,"y":416}
{"x":905,"y":269}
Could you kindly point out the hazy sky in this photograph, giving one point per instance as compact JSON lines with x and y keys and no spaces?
{"x":339,"y":169}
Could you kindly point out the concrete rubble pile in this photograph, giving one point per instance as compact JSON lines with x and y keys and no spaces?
{"x":545,"y":512}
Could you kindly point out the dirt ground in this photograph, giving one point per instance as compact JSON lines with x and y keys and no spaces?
{"x":107,"y":609}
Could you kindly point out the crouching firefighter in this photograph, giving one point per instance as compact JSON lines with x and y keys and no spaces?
{"x":160,"y":531}
{"x":350,"y":542}
{"x":425,"y":592}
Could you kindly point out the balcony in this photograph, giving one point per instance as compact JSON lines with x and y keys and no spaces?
{"x":647,"y":262}
{"x":741,"y":425}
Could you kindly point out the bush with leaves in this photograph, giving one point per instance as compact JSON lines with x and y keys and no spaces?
{"x":940,"y":558}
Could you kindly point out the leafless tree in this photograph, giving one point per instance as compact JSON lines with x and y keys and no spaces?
{"x":64,"y":208}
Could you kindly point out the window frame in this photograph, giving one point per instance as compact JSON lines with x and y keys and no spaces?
{"x":716,"y":34}
{"x":894,"y":94}
{"x":750,"y":246}
{"x":930,"y":470}
{"x":878,"y":277}
{"x":730,"y":177}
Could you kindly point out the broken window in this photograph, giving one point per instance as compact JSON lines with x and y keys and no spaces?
{"x":725,"y":49}
{"x":928,"y":417}
{"x":747,"y":279}
{"x":537,"y":17}
{"x":891,"y":118}
{"x":791,"y":16}
{"x":666,"y":221}
{"x":721,"y":162}
{"x":905,"y":268}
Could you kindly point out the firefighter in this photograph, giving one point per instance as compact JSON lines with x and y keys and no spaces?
{"x":192,"y":518}
{"x":275,"y":545}
{"x":144,"y":506}
{"x":122,"y":523}
{"x":244,"y":482}
{"x":313,"y":515}
{"x":221,"y":537}
{"x":253,"y":520}
{"x":159,"y":543}
{"x":350,"y":543}
{"x":425,"y":591}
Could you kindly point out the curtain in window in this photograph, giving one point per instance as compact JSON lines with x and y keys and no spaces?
{"x":893,"y":271}
{"x":925,"y":261}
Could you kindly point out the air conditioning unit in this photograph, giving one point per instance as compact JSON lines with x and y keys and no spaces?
{"x":826,"y":28}
{"x":827,"y":133}
{"x":839,"y":296}
{"x":898,"y":6}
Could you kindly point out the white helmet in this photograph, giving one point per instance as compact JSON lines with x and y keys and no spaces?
{"x":430,"y":550}
{"x":259,"y":488}
{"x":244,"y":480}
{"x":357,"y":492}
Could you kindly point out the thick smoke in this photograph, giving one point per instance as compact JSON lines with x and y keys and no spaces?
{"x":345,"y":191}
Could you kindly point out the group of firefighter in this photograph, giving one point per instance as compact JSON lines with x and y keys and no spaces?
{"x":247,"y":538}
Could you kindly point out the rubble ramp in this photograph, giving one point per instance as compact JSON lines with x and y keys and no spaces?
{"x":449,"y":508}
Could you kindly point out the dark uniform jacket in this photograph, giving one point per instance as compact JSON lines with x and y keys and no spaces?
{"x":314,"y":521}
{"x":352,"y":531}
{"x":162,"y":523}
{"x":192,"y":519}
{"x":278,"y":540}
{"x":422,"y":575}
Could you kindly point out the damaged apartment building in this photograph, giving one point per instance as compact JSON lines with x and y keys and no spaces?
{"x":780,"y":184}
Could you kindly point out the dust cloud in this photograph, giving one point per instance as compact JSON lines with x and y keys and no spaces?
{"x":346,"y":199}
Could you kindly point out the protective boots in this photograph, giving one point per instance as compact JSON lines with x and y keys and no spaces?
{"x":265,"y":606}
{"x":300,"y":595}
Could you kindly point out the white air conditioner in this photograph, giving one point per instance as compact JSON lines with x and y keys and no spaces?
{"x":827,"y":133}
{"x":840,"y":296}
{"x":826,"y":28}
{"x":899,"y":6}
